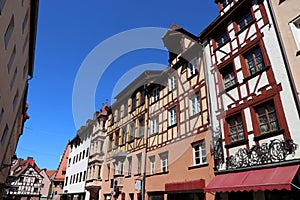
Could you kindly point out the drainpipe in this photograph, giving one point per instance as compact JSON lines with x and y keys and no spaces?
{"x":284,"y":56}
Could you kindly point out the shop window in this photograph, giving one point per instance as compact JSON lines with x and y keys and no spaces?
{"x":236,"y":128}
{"x":254,"y":61}
{"x":267,"y":118}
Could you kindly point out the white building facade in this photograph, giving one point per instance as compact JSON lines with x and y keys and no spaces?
{"x":76,"y":173}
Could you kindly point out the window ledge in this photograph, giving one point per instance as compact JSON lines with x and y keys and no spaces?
{"x":128,"y":176}
{"x":257,"y":73}
{"x":118,"y":175}
{"x":198,"y":166}
{"x":192,"y":76}
{"x":269,"y":134}
{"x":236,"y":143}
{"x":172,"y":126}
{"x":195,"y":115}
{"x":138,"y":174}
{"x":245,"y":27}
{"x":219,"y":47}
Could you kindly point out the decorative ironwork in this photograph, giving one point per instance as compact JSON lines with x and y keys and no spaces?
{"x":275,"y":151}
{"x":217,"y":149}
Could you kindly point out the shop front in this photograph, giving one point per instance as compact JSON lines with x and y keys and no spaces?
{"x":261,"y":184}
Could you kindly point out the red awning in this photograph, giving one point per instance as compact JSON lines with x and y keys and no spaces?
{"x":278,"y":178}
{"x":185,"y":186}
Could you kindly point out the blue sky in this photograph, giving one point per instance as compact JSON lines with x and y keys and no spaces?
{"x":67,"y":32}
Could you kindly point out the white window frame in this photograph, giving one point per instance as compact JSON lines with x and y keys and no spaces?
{"x":152,"y":164}
{"x":172,"y":116}
{"x":195,"y":104}
{"x":121,"y":166}
{"x":199,"y":152}
{"x":155,"y":94}
{"x":193,"y":67}
{"x":154,"y":126}
{"x":295,"y":28}
{"x":116,"y":168}
{"x":172,"y":82}
{"x":164,"y":162}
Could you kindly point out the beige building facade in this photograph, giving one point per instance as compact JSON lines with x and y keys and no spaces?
{"x":158,"y":136}
{"x":287,"y":18}
{"x":18,"y":23}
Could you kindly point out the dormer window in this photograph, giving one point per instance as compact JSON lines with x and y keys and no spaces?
{"x":224,"y":3}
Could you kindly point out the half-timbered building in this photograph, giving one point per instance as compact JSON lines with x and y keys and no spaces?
{"x":255,"y":118}
{"x":25,"y":180}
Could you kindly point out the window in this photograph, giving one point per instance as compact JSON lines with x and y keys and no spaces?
{"x":125,"y":110}
{"x":4,"y":135}
{"x":254,"y":61}
{"x":172,"y":82}
{"x":110,"y":139}
{"x":24,"y":24}
{"x":141,"y":127}
{"x":139,"y":165}
{"x":69,"y":162}
{"x":71,"y":178}
{"x":9,"y":31}
{"x":66,"y":183}
{"x":155,"y":94}
{"x":83,"y":154}
{"x":1,"y":114}
{"x":295,"y":28}
{"x":172,"y":116}
{"x":79,"y":156}
{"x":133,"y":103}
{"x":116,"y":168}
{"x":87,"y":152}
{"x":267,"y":118}
{"x":222,"y":39}
{"x":129,"y":159}
{"x":132,"y":130}
{"x":143,"y":94}
{"x":121,"y":167}
{"x":117,"y":136}
{"x":11,"y":59}
{"x":84,"y":174}
{"x":236,"y":128}
{"x":15,"y":101}
{"x":124,"y":135}
{"x":199,"y":153}
{"x":224,"y":3}
{"x":193,"y":67}
{"x":195,"y":105}
{"x":2,"y":4}
{"x":152,"y":164}
{"x":228,"y":77}
{"x":164,"y":162}
{"x":80,"y":176}
{"x":245,"y":21}
{"x":25,"y":69}
{"x":108,"y":170}
{"x":154,"y":126}
{"x":35,"y":190}
{"x":13,"y":79}
{"x":25,"y":44}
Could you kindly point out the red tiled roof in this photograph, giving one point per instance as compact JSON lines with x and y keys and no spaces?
{"x":62,"y":165}
{"x":50,"y":173}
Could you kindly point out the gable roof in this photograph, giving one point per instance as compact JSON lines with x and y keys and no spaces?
{"x":21,"y":165}
{"x":50,"y":173}
{"x":62,"y":165}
